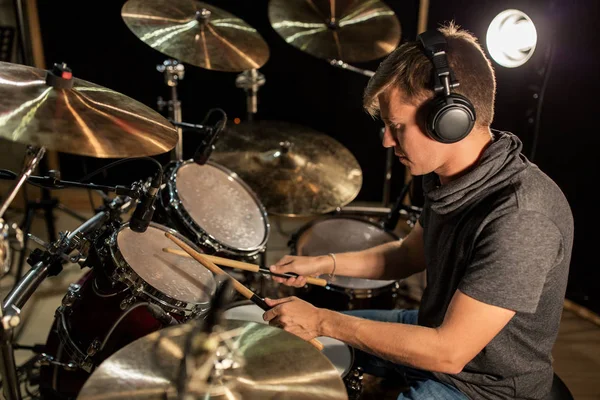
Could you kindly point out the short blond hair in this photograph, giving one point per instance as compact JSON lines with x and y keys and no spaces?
{"x":408,"y":69}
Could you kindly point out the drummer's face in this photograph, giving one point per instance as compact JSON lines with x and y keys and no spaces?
{"x":406,"y":134}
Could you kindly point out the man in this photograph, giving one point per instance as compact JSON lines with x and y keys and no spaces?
{"x":495,"y":238}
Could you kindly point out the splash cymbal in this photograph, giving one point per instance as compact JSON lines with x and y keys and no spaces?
{"x":270,"y":363}
{"x":295,"y":171}
{"x":196,"y":33}
{"x":86,"y":119}
{"x":349,"y":30}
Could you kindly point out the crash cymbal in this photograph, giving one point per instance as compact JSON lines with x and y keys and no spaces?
{"x":197,"y":33}
{"x":295,"y":171}
{"x":349,"y":30}
{"x":86,"y":119}
{"x":272,"y":363}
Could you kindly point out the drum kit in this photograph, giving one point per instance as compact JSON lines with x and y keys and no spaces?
{"x":144,"y":321}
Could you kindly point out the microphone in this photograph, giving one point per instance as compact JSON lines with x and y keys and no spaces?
{"x":207,"y":146}
{"x":145,"y":209}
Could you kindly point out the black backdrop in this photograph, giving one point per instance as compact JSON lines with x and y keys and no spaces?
{"x":97,"y":45}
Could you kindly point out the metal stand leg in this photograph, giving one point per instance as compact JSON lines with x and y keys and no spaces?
{"x":250,"y":80}
{"x":174,"y":72}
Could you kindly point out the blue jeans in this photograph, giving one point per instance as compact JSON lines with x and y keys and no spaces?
{"x":422,"y":384}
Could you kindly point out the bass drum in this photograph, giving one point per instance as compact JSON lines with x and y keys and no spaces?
{"x":340,"y":354}
{"x":339,"y":234}
{"x":133,"y":289}
{"x":214,"y":208}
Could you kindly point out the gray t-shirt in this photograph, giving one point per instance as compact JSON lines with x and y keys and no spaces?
{"x":501,"y":234}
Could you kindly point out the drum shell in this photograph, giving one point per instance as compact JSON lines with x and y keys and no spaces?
{"x":88,"y":312}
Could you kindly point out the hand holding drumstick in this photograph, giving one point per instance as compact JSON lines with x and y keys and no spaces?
{"x":243,"y":290}
{"x":248,"y":267}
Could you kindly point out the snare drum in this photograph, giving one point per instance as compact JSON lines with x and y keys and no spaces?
{"x":340,"y":354}
{"x":213,"y":207}
{"x":133,"y":289}
{"x":338,"y":234}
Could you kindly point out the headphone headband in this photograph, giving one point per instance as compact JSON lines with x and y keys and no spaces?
{"x":434,"y":47}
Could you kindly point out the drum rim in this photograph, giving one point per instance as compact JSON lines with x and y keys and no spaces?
{"x":296,"y":235}
{"x":176,"y":205}
{"x":125,"y":273}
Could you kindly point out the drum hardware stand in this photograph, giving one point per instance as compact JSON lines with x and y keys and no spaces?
{"x":44,"y":263}
{"x":33,"y":157}
{"x":53,"y":181}
{"x":387,"y":180}
{"x":250,"y":80}
{"x":389,"y":157}
{"x":343,"y":65}
{"x":173,"y":72}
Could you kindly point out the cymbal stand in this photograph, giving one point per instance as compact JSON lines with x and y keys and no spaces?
{"x":173,"y":72}
{"x":389,"y":159}
{"x":33,"y":156}
{"x":13,"y":233}
{"x":250,"y":80}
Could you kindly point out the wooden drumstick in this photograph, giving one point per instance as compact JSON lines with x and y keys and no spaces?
{"x":243,"y":290}
{"x":226,"y":262}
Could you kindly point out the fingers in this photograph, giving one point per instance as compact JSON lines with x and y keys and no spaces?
{"x":275,"y":302}
{"x":298,"y":281}
{"x":288,"y":264}
{"x":283,"y":268}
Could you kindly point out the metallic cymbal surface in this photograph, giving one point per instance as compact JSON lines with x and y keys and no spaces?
{"x":274,"y":365}
{"x":197,"y":33}
{"x":87,"y":119}
{"x":294,"y":170}
{"x":349,"y":30}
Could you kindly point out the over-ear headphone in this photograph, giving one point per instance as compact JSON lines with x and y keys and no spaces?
{"x":449,"y":116}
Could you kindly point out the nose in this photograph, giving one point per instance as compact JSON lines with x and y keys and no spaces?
{"x":388,"y":139}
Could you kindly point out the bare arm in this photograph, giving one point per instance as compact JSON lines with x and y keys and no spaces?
{"x":468,"y":327}
{"x":395,"y":260}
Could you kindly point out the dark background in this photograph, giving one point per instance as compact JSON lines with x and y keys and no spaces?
{"x":97,"y":45}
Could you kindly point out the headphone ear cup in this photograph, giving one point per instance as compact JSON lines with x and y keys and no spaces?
{"x":450,"y":118}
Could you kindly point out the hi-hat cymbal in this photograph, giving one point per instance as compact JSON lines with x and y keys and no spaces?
{"x":350,"y":30}
{"x":295,"y":171}
{"x":272,"y":364}
{"x":86,"y":119}
{"x":197,"y":33}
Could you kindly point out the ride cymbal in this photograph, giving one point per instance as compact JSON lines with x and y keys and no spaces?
{"x":85,"y":119}
{"x":196,"y":33}
{"x":349,"y":30}
{"x":269,"y":363}
{"x":295,"y":171}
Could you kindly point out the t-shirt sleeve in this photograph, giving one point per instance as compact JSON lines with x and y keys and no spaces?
{"x":511,"y":259}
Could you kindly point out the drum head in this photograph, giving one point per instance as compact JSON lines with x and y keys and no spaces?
{"x":339,"y":235}
{"x":222,"y":205}
{"x":339,"y":353}
{"x":178,"y":277}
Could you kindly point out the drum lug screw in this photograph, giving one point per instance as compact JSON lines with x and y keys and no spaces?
{"x":72,"y":295}
{"x":126,"y":303}
{"x":93,"y":348}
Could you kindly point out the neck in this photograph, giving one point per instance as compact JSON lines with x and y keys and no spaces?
{"x":465,"y":155}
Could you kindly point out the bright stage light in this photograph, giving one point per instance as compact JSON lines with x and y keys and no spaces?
{"x":511,"y":38}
